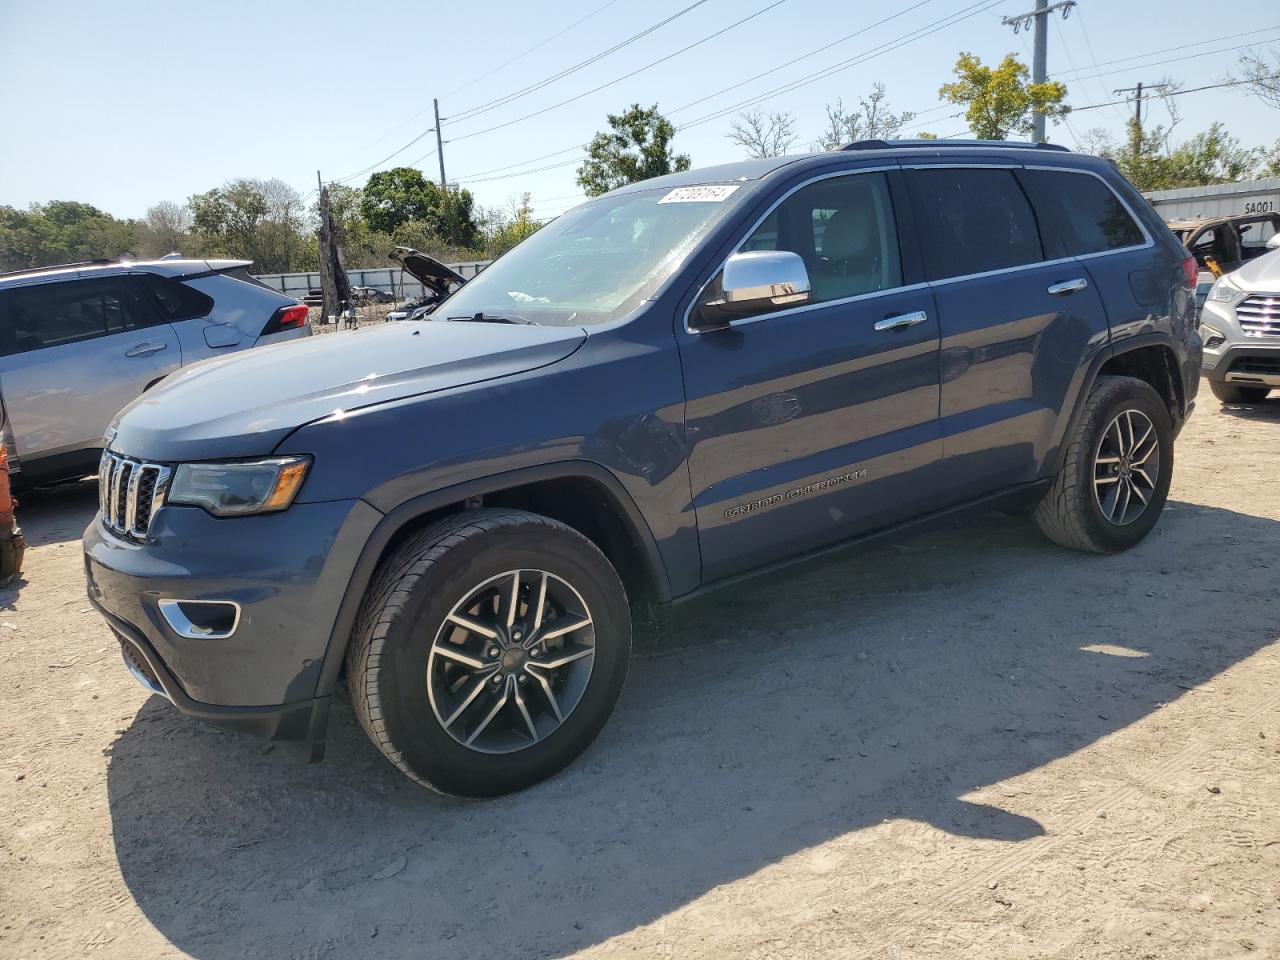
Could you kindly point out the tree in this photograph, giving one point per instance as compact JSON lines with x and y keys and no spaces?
{"x":639,"y":147}
{"x":258,"y":220}
{"x":61,"y":231}
{"x":506,"y":230}
{"x":395,"y":198}
{"x":763,"y":135}
{"x":1151,"y":161}
{"x":999,"y":100}
{"x":165,"y":229}
{"x":1271,"y":161}
{"x":870,"y":120}
{"x":1261,"y":72}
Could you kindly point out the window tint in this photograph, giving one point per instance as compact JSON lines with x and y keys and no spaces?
{"x":972,"y":221}
{"x":176,"y":300}
{"x":54,"y":314}
{"x":1088,"y":216}
{"x":844,"y":231}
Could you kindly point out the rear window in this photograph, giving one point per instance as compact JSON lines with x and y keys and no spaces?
{"x":1087,"y":215}
{"x":175,"y":300}
{"x":974,"y":221}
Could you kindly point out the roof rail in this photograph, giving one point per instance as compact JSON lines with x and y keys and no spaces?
{"x":921,"y":143}
{"x":58,"y":266}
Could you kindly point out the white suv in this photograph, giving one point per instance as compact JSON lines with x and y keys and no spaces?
{"x":1240,"y":326}
{"x":79,"y":341}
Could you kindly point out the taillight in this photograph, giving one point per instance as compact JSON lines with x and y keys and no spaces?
{"x":1191,"y":272}
{"x":286,"y":318}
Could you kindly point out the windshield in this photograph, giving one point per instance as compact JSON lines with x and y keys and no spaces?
{"x":597,"y":262}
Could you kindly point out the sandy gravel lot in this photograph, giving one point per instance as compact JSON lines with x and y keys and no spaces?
{"x":970,"y":745}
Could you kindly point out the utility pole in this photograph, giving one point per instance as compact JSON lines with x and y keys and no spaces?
{"x":439,"y":142}
{"x":1136,"y":90}
{"x":1039,"y":19}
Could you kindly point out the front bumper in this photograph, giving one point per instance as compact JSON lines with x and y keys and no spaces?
{"x":1246,"y":363}
{"x":287,"y":571}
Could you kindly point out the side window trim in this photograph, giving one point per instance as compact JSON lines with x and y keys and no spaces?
{"x":746,"y":235}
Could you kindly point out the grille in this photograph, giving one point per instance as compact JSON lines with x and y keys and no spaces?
{"x":1259,"y":315}
{"x":130,"y":492}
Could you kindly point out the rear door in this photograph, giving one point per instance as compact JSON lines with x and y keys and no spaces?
{"x":811,"y":424}
{"x":72,"y":353}
{"x":1017,"y":329}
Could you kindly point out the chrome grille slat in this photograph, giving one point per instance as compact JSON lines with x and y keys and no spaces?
{"x":1259,"y":315}
{"x":130,"y":493}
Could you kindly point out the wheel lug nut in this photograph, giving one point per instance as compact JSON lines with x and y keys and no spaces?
{"x":493,"y":651}
{"x":535,"y":651}
{"x":497,"y":679}
{"x":517,"y":635}
{"x":523,"y":679}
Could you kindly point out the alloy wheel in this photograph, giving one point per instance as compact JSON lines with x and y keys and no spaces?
{"x":1126,"y":467}
{"x":511,"y":661}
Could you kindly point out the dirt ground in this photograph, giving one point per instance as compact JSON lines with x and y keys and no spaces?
{"x":969,"y":745}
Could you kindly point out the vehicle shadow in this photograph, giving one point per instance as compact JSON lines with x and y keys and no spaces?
{"x":798,"y":712}
{"x":1268,"y":409}
{"x":56,"y":514}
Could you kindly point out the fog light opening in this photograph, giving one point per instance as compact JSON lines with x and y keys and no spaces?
{"x":201,"y":619}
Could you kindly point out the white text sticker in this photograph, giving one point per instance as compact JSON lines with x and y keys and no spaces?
{"x":713,"y":193}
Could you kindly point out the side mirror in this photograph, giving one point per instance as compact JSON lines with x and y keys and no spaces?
{"x":752,"y":282}
{"x":1274,"y":242}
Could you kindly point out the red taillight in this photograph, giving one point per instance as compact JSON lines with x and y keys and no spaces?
{"x":286,"y":318}
{"x":295,"y":316}
{"x":1191,"y":272}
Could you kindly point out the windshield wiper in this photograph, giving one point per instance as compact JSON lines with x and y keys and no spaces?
{"x":492,"y":318}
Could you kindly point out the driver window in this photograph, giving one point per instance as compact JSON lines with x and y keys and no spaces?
{"x":843,"y":229}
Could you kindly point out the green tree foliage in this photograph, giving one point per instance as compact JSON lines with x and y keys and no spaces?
{"x":402,"y":195}
{"x":637,"y":147}
{"x":61,"y":231}
{"x":1000,"y":101}
{"x":507,"y":231}
{"x":258,"y":220}
{"x":1150,"y":160}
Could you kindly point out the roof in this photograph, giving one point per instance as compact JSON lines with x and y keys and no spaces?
{"x":167,"y":267}
{"x":750,"y":170}
{"x":1194,"y":223}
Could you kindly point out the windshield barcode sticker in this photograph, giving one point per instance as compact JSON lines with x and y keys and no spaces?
{"x":713,"y":193}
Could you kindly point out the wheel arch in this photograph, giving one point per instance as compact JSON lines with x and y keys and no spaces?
{"x":579,"y":493}
{"x":1151,"y":358}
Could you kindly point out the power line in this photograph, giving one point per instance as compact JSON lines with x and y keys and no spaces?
{"x":625,"y":76}
{"x":1176,"y":93}
{"x":525,"y":91}
{"x":536,"y":46}
{"x":1184,"y":46}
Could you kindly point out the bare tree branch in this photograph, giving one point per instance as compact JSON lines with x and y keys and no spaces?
{"x":763,"y":134}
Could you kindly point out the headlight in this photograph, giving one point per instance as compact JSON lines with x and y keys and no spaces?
{"x":1224,"y":291}
{"x":235,"y":489}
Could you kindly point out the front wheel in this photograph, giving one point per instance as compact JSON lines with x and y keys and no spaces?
{"x":489,"y":652}
{"x":1116,"y":472}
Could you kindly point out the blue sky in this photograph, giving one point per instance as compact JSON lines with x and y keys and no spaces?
{"x":122,"y":105}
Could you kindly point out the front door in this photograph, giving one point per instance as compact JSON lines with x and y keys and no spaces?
{"x":813,"y":424}
{"x":72,"y":353}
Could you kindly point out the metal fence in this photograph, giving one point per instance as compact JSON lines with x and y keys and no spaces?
{"x":1218,"y":200}
{"x":392,"y":280}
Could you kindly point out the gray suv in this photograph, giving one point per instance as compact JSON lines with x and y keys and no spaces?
{"x":80,"y":341}
{"x":673,"y":386}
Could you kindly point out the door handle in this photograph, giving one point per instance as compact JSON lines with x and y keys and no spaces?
{"x":901,"y":321}
{"x":145,"y":349}
{"x":1068,"y":286}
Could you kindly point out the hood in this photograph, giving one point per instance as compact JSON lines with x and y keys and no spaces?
{"x":1259,"y":275}
{"x":243,"y":405}
{"x":428,"y":271}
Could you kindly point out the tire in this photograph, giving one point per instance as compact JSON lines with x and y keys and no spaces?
{"x":1073,"y":512}
{"x":1234,"y":393}
{"x":406,"y":681}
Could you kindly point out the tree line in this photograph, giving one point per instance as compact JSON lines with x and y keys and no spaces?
{"x":268,"y":222}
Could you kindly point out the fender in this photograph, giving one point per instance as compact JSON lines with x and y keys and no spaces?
{"x":1096,"y":363}
{"x":408,"y":511}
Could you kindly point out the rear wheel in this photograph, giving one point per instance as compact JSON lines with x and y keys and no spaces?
{"x":489,"y":652}
{"x":1115,"y":475}
{"x":1234,"y":393}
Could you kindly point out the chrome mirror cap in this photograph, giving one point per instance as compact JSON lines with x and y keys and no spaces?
{"x":755,"y":281}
